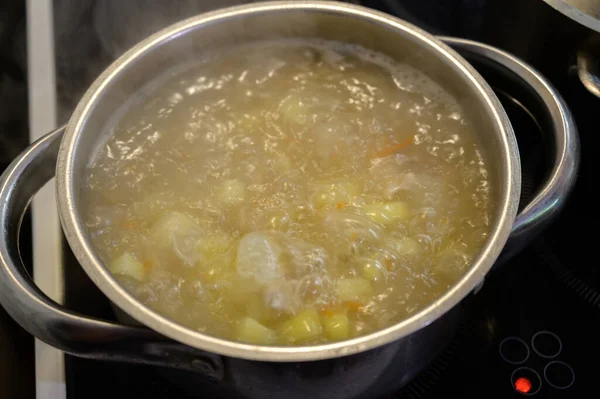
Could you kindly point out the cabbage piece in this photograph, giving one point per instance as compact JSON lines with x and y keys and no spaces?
{"x":173,"y":239}
{"x":281,"y":266}
{"x":282,"y":296}
{"x":267,"y":256}
{"x":259,"y":257}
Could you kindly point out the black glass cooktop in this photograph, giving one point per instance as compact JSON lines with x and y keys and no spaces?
{"x":527,"y":334}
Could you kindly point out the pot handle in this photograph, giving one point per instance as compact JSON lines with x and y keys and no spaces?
{"x":562,"y":132}
{"x":51,"y":322}
{"x":588,"y":68}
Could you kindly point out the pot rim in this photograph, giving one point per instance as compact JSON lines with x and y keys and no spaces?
{"x":75,"y":230}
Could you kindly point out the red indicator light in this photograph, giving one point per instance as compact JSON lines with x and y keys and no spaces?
{"x":523,"y":385}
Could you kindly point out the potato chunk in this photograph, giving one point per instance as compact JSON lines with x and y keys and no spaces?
{"x":353,"y":289}
{"x":372,"y":269}
{"x":303,"y":327}
{"x":128,"y":265}
{"x":387,"y":213}
{"x":336,"y":326}
{"x":251,"y":331}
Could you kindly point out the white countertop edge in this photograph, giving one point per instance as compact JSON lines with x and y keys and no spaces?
{"x":47,"y":250}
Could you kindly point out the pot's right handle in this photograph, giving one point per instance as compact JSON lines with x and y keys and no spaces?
{"x":553,"y":193}
{"x":49,"y":321}
{"x":588,"y":68}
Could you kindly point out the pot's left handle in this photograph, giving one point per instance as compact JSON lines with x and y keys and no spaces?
{"x":52,"y":323}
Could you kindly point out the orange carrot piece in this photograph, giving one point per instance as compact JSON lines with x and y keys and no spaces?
{"x":327,"y":312}
{"x":341,"y":205}
{"x":352,"y":306}
{"x":130,"y":224}
{"x":147,"y":265}
{"x":393,"y":149}
{"x":389,"y":264}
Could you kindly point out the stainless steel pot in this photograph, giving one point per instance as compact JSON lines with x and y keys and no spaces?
{"x":366,"y":366}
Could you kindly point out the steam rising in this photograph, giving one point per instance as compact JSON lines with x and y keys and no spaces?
{"x":121,"y":24}
{"x":91,"y":34}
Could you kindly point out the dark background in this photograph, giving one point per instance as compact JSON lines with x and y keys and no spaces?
{"x":17,"y":378}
